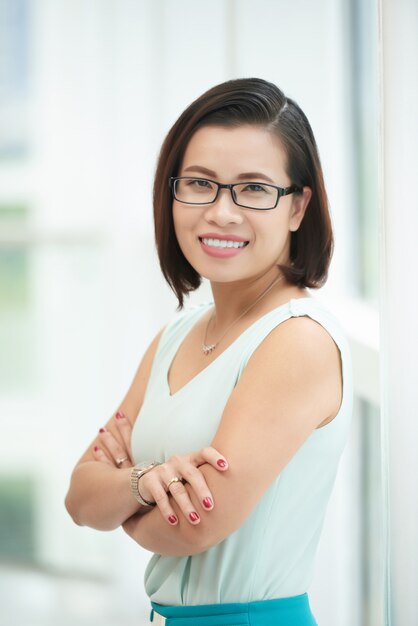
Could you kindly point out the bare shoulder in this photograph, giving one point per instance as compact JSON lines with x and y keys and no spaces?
{"x":300,"y":336}
{"x":302,"y":352}
{"x":304,"y":331}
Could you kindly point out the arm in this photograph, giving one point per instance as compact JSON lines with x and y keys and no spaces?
{"x":291,"y":384}
{"x":99,"y":495}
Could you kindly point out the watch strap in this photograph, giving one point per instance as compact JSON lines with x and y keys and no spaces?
{"x":137,"y":471}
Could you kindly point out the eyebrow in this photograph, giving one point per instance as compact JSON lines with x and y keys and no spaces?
{"x":248,"y":176}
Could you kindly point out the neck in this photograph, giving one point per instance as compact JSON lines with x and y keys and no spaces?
{"x":232,"y":299}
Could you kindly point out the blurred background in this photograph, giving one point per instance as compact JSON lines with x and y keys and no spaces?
{"x":88,"y":90}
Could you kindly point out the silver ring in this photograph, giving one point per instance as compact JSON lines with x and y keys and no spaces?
{"x":175,"y":479}
{"x":120,"y":460}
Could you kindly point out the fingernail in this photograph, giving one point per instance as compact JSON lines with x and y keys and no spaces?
{"x":102,"y":430}
{"x":222,"y":463}
{"x":119,"y":415}
{"x":194,"y":516}
{"x":96,"y":448}
{"x":172,"y":519}
{"x":207,"y":503}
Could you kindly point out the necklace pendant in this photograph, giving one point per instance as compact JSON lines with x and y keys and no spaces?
{"x":207,"y":349}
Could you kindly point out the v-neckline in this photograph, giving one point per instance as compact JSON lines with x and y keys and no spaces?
{"x":177,"y":348}
{"x":231,"y":345}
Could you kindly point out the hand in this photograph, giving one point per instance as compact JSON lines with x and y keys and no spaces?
{"x":116,"y":451}
{"x":153,"y":485}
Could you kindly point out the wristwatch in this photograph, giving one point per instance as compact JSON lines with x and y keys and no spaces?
{"x":137,"y":471}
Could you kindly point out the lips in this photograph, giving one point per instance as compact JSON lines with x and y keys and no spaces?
{"x":223,"y":243}
{"x":213,"y":246}
{"x":224,"y":237}
{"x":236,"y":243}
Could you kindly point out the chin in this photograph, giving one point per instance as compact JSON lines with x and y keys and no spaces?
{"x":223,"y":277}
{"x":209,"y":273}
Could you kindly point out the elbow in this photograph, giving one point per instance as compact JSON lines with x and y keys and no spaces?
{"x":84,"y":510}
{"x":71,"y":510}
{"x":88,"y":519}
{"x":72,"y":503}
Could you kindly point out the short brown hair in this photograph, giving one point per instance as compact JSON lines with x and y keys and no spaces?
{"x":233,"y":103}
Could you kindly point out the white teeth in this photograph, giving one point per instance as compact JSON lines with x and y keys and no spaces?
{"x":223,"y":243}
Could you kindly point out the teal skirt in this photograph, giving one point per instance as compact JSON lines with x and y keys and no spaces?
{"x":293,"y":611}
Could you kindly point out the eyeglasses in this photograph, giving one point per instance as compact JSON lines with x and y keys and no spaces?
{"x":250,"y":195}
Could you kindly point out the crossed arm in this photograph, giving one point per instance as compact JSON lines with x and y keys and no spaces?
{"x":291,"y":385}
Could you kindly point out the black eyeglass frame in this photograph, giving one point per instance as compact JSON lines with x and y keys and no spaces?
{"x":281,"y":191}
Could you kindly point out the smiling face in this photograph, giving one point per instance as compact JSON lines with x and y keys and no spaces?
{"x":230,"y":155}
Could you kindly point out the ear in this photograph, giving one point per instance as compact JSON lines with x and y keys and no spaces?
{"x":300,"y":203}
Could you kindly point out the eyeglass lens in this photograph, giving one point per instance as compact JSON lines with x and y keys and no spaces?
{"x":202,"y":191}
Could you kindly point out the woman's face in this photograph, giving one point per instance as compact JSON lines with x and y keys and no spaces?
{"x":230,"y":155}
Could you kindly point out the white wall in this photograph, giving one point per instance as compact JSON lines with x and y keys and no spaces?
{"x":399,"y":298}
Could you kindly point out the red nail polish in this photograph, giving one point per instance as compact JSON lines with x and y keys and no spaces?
{"x":221,"y":463}
{"x":96,"y":448}
{"x":102,"y":430}
{"x":172,"y":519}
{"x":194,"y":516}
{"x":119,"y":415}
{"x":207,"y":502}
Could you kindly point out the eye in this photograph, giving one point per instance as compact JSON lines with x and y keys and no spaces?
{"x":255,"y":188}
{"x":199,"y":182}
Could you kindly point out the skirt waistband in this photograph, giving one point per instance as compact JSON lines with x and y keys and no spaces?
{"x":292,"y":611}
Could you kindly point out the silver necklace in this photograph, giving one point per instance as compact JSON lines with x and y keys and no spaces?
{"x":208,"y":348}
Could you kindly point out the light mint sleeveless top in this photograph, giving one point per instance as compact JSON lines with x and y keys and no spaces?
{"x":272,"y":554}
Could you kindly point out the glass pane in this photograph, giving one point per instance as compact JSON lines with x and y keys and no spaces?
{"x":364,"y":106}
{"x":16,"y":332}
{"x":14,"y":78}
{"x":373,"y":517}
{"x":17,"y":519}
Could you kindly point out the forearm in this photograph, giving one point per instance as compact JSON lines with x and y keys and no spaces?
{"x":100,"y":497}
{"x":154,"y":534}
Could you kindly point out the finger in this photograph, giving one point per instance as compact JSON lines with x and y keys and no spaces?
{"x":116,"y":451}
{"x":198,"y":483}
{"x":209,"y":455}
{"x":125,"y":428}
{"x":100,"y":455}
{"x":179,"y":493}
{"x":155,"y":492}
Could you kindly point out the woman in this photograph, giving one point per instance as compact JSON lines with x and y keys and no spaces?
{"x":238,"y":405}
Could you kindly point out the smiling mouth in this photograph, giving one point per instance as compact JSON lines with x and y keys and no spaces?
{"x":223,"y":243}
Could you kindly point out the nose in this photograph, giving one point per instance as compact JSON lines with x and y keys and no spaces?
{"x":224,"y":210}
